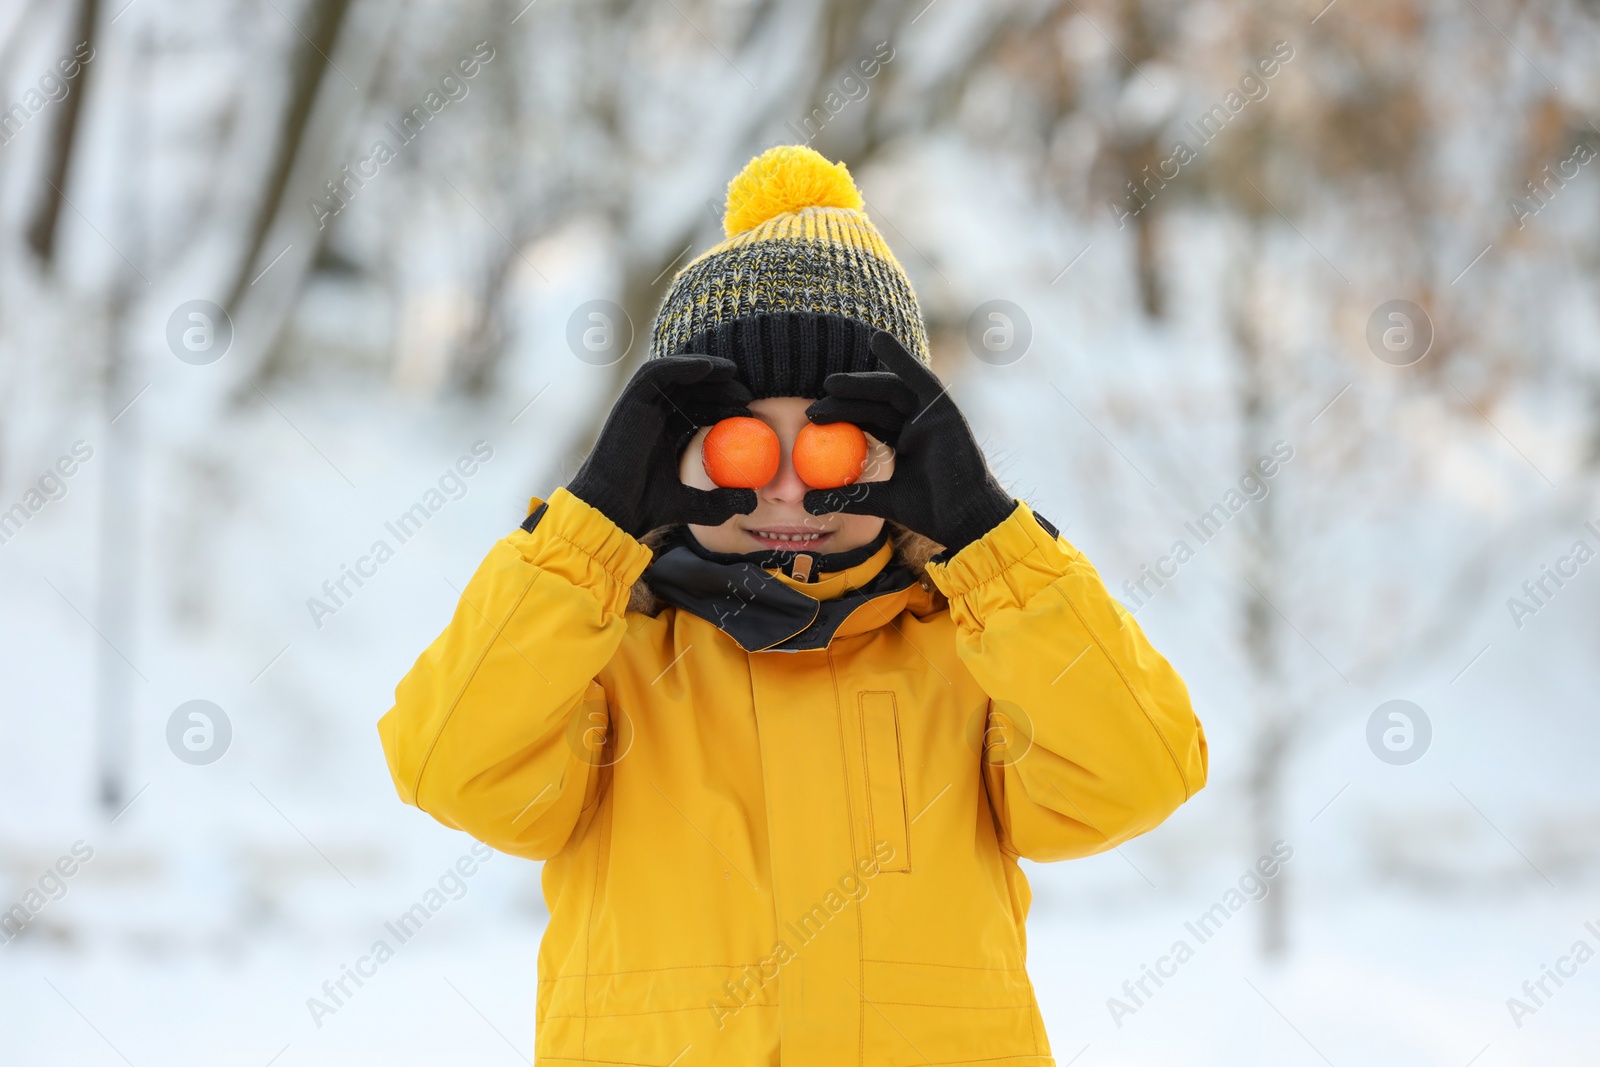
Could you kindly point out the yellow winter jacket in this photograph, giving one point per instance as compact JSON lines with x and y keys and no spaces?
{"x":806,"y":857}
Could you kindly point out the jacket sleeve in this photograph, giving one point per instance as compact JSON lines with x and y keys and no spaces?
{"x":1098,"y":742}
{"x":481,"y":732}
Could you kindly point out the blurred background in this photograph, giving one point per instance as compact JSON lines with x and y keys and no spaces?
{"x":268,"y":270}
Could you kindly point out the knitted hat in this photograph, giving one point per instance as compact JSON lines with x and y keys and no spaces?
{"x":799,"y":286}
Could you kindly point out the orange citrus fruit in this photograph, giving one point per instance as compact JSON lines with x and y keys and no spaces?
{"x":830,"y":455}
{"x":741,"y":453}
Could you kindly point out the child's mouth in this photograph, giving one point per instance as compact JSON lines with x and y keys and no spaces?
{"x":789,"y":540}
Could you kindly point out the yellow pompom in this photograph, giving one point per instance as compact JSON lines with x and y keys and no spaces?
{"x":786,"y":179}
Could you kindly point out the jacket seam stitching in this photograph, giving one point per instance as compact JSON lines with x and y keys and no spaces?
{"x":900,"y":775}
{"x":602,"y":843}
{"x":952,"y":966}
{"x":455,"y":703}
{"x":653,"y":970}
{"x":966,"y":1007}
{"x":850,"y":823}
{"x":1033,"y":1013}
{"x":651,"y":1011}
{"x":1126,"y":684}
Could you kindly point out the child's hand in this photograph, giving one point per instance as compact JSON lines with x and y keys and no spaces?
{"x":631,"y":476}
{"x":941,"y":486}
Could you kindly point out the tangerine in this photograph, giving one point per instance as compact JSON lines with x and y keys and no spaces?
{"x":741,"y":453}
{"x":828,"y":455}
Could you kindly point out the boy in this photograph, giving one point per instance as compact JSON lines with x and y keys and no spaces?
{"x":781,"y":748}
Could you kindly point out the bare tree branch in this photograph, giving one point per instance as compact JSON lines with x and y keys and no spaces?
{"x":42,"y":231}
{"x":311,"y":68}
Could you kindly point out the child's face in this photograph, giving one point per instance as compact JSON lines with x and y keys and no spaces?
{"x":780,"y":504}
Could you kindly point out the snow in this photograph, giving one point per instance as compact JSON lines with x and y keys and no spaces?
{"x":222,"y":897}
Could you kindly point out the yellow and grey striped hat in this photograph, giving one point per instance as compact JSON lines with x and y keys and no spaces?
{"x":798,"y":287}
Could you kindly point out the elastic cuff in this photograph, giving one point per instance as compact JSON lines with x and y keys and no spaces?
{"x":567,"y":523}
{"x":1006,"y":567}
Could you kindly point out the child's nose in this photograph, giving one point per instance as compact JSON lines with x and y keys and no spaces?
{"x":786,"y":486}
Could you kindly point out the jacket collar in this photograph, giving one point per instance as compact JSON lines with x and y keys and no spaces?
{"x":765,"y":610}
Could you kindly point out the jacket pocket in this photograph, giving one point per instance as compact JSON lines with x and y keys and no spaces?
{"x":884,"y":765}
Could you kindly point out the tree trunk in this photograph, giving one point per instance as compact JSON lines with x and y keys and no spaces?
{"x":42,"y":231}
{"x":1266,"y":827}
{"x":117,"y":562}
{"x":311,"y":67}
{"x":117,"y":566}
{"x":1261,"y":568}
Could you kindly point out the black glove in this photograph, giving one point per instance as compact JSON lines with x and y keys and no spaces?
{"x":631,"y":476}
{"x":941,"y":486}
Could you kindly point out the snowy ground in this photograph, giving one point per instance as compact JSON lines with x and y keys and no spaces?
{"x":1372,"y":981}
